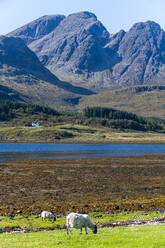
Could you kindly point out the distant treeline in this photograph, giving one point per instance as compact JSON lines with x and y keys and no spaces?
{"x":110,"y":113}
{"x":121,"y":119}
{"x":8,"y":109}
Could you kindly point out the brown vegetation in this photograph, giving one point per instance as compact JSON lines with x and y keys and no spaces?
{"x":85,"y":184}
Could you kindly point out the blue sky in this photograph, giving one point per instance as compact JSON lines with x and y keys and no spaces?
{"x":114,"y":14}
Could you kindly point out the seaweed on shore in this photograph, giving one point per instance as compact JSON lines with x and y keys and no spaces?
{"x":127,"y":183}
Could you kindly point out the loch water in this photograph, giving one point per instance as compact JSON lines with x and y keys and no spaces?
{"x":30,"y":151}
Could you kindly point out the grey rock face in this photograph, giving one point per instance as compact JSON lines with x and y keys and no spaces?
{"x":76,"y":45}
{"x":115,"y":41}
{"x":142,"y":53}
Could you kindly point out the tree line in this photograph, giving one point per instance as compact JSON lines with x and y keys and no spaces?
{"x":8,"y":109}
{"x":121,"y":119}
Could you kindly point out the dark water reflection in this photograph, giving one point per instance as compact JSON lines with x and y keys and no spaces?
{"x":19,"y":151}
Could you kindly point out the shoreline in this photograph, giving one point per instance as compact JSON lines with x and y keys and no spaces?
{"x":68,"y":141}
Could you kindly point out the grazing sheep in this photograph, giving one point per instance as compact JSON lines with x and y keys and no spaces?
{"x":74,"y":220}
{"x":49,"y":215}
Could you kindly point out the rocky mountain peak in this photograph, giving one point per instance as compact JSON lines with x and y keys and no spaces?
{"x":148,"y":26}
{"x":83,"y":15}
{"x":75,"y":46}
{"x":142,"y":37}
{"x":38,"y":28}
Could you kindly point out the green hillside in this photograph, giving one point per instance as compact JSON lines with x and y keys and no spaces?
{"x":148,"y":101}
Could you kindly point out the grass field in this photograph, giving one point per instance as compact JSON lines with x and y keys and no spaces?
{"x":121,"y":237}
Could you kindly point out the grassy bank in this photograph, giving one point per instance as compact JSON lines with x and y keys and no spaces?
{"x":122,"y":237}
{"x":72,"y":133}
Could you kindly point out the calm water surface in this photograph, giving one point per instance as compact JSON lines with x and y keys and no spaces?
{"x":17,"y":151}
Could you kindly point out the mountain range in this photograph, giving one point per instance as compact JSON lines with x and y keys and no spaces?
{"x":75,"y":56}
{"x":78,"y":48}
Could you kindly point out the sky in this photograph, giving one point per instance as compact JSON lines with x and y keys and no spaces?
{"x":114,"y":14}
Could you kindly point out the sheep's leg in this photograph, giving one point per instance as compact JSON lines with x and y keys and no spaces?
{"x":70,"y":230}
{"x":67,"y":231}
{"x":86,"y":230}
{"x":81,"y":231}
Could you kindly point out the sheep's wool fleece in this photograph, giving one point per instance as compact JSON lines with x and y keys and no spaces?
{"x":78,"y":220}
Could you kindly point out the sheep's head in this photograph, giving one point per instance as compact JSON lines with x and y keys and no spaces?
{"x":94,"y":229}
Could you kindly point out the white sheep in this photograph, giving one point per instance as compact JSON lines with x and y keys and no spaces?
{"x":49,"y":215}
{"x":74,"y":220}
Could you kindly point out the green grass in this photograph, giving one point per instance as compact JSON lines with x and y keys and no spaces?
{"x":124,"y":216}
{"x":32,"y":133}
{"x":121,"y":237}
